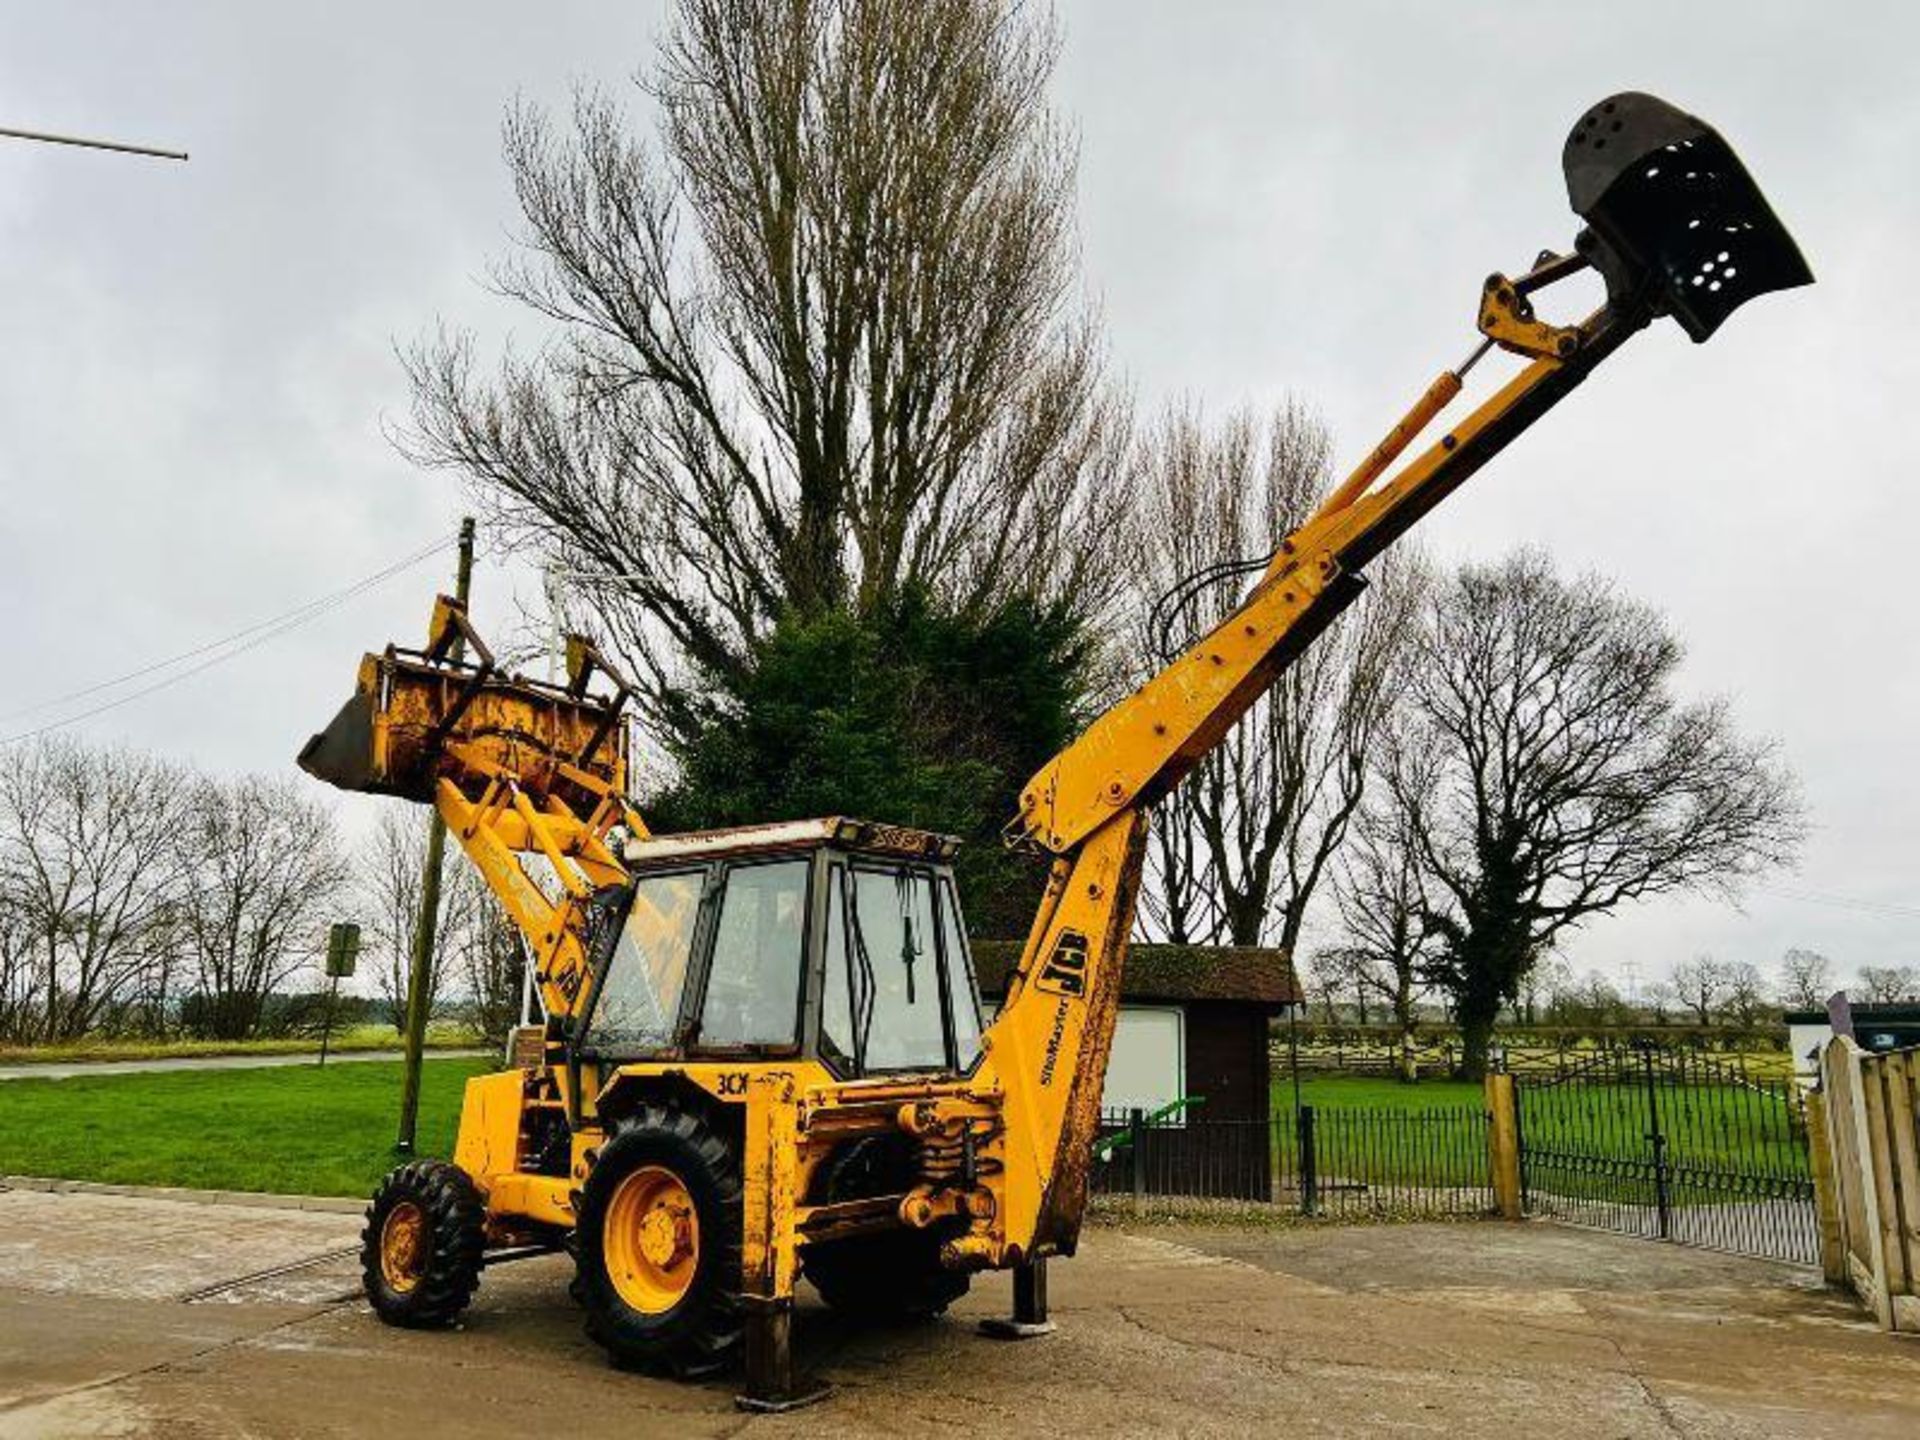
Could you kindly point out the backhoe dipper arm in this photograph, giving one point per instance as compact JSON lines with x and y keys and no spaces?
{"x":1675,"y":227}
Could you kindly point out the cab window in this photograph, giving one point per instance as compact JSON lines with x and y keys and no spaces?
{"x":963,"y":999}
{"x":896,"y":962}
{"x":759,"y":943}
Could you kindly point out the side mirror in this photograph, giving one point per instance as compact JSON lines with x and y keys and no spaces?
{"x":1674,"y":218}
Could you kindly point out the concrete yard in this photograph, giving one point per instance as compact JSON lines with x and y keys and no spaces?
{"x":120,"y":1316}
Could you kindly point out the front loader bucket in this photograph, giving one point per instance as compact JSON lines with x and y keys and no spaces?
{"x":1673,"y":214}
{"x":419,"y":716}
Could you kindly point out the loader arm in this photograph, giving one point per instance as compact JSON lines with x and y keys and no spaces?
{"x":528,"y":776}
{"x":1678,"y":247}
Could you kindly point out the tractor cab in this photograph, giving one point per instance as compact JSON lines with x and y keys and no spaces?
{"x":836,"y":940}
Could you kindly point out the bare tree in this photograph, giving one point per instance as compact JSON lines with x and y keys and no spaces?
{"x":1591,"y":1002}
{"x":265,"y":859}
{"x":1329,"y":975}
{"x":1658,"y":999}
{"x":1806,"y":979}
{"x":1383,"y":917}
{"x":1179,"y":904}
{"x":1260,"y":819}
{"x":491,"y":959}
{"x":1549,"y":775}
{"x":1702,"y":984}
{"x":1886,"y":984}
{"x":386,"y":879}
{"x":19,"y":977}
{"x":89,"y":857}
{"x":1538,"y":988}
{"x":819,"y":343}
{"x":1746,"y":1001}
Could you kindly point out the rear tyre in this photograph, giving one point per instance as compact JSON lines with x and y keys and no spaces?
{"x":890,"y":1277}
{"x":659,"y":1239}
{"x":884,"y":1279}
{"x":420,"y":1249}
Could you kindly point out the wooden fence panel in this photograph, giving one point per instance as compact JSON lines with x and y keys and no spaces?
{"x":1874,"y":1148}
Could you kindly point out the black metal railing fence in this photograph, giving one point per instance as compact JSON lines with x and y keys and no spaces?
{"x":1672,"y":1145}
{"x":1316,"y":1160}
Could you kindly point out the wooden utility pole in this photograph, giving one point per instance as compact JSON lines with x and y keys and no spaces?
{"x":426,"y":928}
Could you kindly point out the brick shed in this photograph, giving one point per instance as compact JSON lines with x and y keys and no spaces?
{"x":1194,"y":1024}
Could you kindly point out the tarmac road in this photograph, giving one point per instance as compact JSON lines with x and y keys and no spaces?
{"x":133,"y":1316}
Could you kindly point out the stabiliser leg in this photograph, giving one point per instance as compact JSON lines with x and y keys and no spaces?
{"x":768,"y":1262}
{"x":1029,"y":1305}
{"x":772,"y":1385}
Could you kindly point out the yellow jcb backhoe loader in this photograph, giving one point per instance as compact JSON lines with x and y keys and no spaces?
{"x":763,"y":1054}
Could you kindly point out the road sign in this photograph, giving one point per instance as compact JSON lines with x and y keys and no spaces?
{"x":343,"y":949}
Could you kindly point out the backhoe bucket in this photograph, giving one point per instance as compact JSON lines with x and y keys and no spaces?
{"x":1673,"y":214}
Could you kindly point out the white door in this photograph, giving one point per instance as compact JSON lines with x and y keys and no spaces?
{"x":1148,"y":1067}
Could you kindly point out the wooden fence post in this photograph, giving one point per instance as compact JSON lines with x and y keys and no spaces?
{"x":1503,"y":1146}
{"x":1833,"y":1245}
{"x":1903,"y":1156}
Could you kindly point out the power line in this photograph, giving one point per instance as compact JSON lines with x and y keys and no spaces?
{"x":298,"y":612}
{"x":1844,"y":902}
{"x":216,"y":651}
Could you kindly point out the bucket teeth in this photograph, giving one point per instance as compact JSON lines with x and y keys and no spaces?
{"x":1673,"y":215}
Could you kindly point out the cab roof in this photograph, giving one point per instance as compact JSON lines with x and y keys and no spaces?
{"x":868,"y":836}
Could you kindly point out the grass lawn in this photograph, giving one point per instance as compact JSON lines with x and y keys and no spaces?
{"x":294,"y":1130}
{"x":1584,"y":1140}
{"x":440,"y":1035}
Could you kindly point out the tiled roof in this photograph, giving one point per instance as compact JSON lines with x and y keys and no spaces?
{"x":1251,"y":974}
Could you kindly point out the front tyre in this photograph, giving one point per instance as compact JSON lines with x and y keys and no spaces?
{"x":659,"y":1236}
{"x":421,"y":1247}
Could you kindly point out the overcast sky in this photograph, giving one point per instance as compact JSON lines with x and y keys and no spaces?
{"x":196,"y":361}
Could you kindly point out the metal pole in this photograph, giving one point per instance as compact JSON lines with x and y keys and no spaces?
{"x":1137,"y":1129}
{"x":1309,"y":1163}
{"x":419,"y":965}
{"x":326,"y":1026}
{"x":46,"y":137}
{"x":1293,"y":1050}
{"x":1662,"y":1203}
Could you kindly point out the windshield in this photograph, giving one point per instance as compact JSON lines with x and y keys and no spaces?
{"x":639,"y":1002}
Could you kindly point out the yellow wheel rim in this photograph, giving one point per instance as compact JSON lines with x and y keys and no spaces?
{"x":403,"y":1246}
{"x":652,"y":1240}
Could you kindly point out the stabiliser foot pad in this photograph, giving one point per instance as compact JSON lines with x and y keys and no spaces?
{"x":805,"y":1393}
{"x":1016,"y":1329}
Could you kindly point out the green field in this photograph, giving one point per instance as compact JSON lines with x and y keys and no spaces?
{"x":1584,"y":1140}
{"x":293,"y":1130}
{"x":441,"y":1035}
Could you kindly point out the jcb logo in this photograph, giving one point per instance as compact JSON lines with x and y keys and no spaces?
{"x":1065,"y":972}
